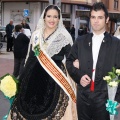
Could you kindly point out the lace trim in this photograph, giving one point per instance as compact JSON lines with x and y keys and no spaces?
{"x":57,"y":44}
{"x":57,"y":114}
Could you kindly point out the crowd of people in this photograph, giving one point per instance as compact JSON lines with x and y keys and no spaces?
{"x":83,"y":30}
{"x":52,"y":90}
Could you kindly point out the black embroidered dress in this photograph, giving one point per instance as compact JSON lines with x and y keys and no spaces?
{"x":40,"y":97}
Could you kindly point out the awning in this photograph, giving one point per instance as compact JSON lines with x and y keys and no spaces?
{"x":114,"y":16}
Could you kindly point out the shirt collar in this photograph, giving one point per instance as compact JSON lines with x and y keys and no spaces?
{"x":100,"y":35}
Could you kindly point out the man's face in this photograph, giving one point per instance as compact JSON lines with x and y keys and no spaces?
{"x":98,"y":21}
{"x":11,"y":22}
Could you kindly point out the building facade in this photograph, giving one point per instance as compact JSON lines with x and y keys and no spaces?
{"x":13,"y":9}
{"x":74,"y":12}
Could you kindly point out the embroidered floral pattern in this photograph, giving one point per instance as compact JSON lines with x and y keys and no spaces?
{"x":57,"y":114}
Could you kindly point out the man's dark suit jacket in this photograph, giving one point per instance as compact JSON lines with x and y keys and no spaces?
{"x":109,"y":56}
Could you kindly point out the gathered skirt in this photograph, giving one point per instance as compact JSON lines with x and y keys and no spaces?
{"x":40,"y":97}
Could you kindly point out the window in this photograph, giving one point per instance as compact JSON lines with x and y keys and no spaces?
{"x":115,"y":4}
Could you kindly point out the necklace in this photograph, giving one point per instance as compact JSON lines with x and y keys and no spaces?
{"x":47,"y":36}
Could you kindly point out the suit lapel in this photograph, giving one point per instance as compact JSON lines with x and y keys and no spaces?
{"x":88,"y":54}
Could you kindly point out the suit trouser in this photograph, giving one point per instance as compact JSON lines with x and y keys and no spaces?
{"x":9,"y":43}
{"x":91,"y":108}
{"x":18,"y":66}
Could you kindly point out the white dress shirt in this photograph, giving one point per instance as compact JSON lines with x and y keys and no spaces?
{"x":96,"y":43}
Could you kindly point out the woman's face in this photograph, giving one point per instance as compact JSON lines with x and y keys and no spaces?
{"x":23,"y":21}
{"x":51,"y":18}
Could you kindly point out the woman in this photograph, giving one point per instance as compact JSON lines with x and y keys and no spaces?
{"x":45,"y":92}
{"x":25,"y":25}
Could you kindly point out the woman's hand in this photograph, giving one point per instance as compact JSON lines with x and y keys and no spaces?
{"x":76,"y":63}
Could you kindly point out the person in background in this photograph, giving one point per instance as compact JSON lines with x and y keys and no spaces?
{"x":117,"y":33}
{"x":81,"y":31}
{"x":46,"y":93}
{"x":95,"y":54}
{"x":72,"y":32}
{"x":21,"y":42}
{"x":86,"y":29}
{"x":25,"y":25}
{"x":9,"y":31}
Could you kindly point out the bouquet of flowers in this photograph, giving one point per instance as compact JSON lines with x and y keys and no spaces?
{"x":112,"y":82}
{"x":8,"y":85}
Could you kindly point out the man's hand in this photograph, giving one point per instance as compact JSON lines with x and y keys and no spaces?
{"x":76,"y":63}
{"x":85,"y":80}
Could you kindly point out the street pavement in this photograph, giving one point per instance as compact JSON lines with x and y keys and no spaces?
{"x":6,"y":66}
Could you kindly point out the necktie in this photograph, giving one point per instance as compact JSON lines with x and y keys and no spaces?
{"x":92,"y":82}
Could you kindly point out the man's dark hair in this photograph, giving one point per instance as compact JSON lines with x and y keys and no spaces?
{"x":18,"y":28}
{"x":99,"y":6}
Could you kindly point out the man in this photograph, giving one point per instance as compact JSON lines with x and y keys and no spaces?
{"x":9,"y":30}
{"x":72,"y":32}
{"x":97,"y":53}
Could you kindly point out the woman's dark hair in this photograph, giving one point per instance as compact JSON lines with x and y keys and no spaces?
{"x":99,"y":6}
{"x":52,"y":7}
{"x":18,"y":28}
